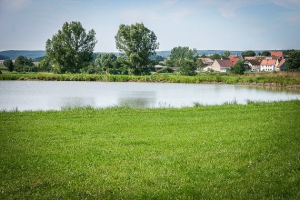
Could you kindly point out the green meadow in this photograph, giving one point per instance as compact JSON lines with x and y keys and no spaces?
{"x":225,"y":151}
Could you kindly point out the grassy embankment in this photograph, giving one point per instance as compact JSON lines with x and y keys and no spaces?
{"x":275,"y":79}
{"x":206,"y":152}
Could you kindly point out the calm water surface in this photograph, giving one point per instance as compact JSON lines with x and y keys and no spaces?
{"x":55,"y":95}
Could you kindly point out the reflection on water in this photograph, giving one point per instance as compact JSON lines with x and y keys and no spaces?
{"x":137,"y":99}
{"x":55,"y":95}
{"x":69,"y":102}
{"x":293,"y":90}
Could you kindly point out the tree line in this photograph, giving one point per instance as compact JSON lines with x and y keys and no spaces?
{"x":71,"y":51}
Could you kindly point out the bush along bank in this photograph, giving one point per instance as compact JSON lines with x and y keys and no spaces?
{"x":215,"y":78}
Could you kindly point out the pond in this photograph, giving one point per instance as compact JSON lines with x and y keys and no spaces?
{"x":55,"y":95}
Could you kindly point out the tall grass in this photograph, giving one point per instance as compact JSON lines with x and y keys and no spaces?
{"x":201,"y":78}
{"x":206,"y":152}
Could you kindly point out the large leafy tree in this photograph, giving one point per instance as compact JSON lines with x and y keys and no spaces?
{"x":136,"y":44}
{"x":293,"y":61}
{"x":238,"y":68}
{"x":188,"y":67}
{"x":179,"y":54}
{"x":9,"y":64}
{"x":71,"y":49}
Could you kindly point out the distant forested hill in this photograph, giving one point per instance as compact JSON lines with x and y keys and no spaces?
{"x":39,"y":54}
{"x":2,"y":57}
{"x":13,"y":54}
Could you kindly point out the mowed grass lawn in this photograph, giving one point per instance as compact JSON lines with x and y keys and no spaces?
{"x":207,"y":152}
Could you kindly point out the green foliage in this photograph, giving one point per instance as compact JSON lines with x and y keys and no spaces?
{"x":287,"y":52}
{"x":23,"y":64}
{"x":9,"y":64}
{"x":281,"y":79}
{"x":226,"y":54}
{"x":188,"y":67}
{"x":215,"y":57}
{"x":266,"y":53}
{"x":107,"y":63}
{"x":249,"y":53}
{"x":293,"y":61}
{"x":206,"y":152}
{"x":71,"y":49}
{"x":136,"y":44}
{"x":165,"y":70}
{"x":179,"y":54}
{"x":238,"y":68}
{"x":45,"y":65}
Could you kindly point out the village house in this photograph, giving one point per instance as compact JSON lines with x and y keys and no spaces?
{"x":207,"y":62}
{"x":252,"y":65}
{"x":268,"y":64}
{"x":222,"y":65}
{"x":281,"y":65}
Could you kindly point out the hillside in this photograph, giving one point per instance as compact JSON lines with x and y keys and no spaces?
{"x":13,"y":54}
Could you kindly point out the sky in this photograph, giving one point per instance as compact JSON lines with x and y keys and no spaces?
{"x":201,"y":24}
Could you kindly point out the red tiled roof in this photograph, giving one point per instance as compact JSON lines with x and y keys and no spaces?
{"x":268,"y":62}
{"x":233,"y":59}
{"x":277,"y":53}
{"x":281,"y":63}
{"x":225,"y":63}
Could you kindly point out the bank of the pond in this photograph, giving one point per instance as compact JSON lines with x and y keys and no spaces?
{"x":206,"y":152}
{"x":280,"y":80}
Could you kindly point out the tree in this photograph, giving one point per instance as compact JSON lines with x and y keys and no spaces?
{"x":23,"y":64}
{"x":107,"y":62}
{"x":238,"y":68}
{"x":199,"y":64}
{"x":226,"y":54}
{"x":293,"y":61}
{"x":266,"y":53}
{"x":179,"y":54}
{"x":9,"y":64}
{"x":71,"y":49}
{"x":249,"y":53}
{"x":188,"y":67}
{"x":136,"y":44}
{"x":215,"y":56}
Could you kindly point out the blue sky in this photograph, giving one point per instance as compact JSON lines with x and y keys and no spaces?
{"x":201,"y":24}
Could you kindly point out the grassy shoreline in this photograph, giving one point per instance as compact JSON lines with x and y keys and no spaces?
{"x":205,"y":152}
{"x":266,"y":79}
